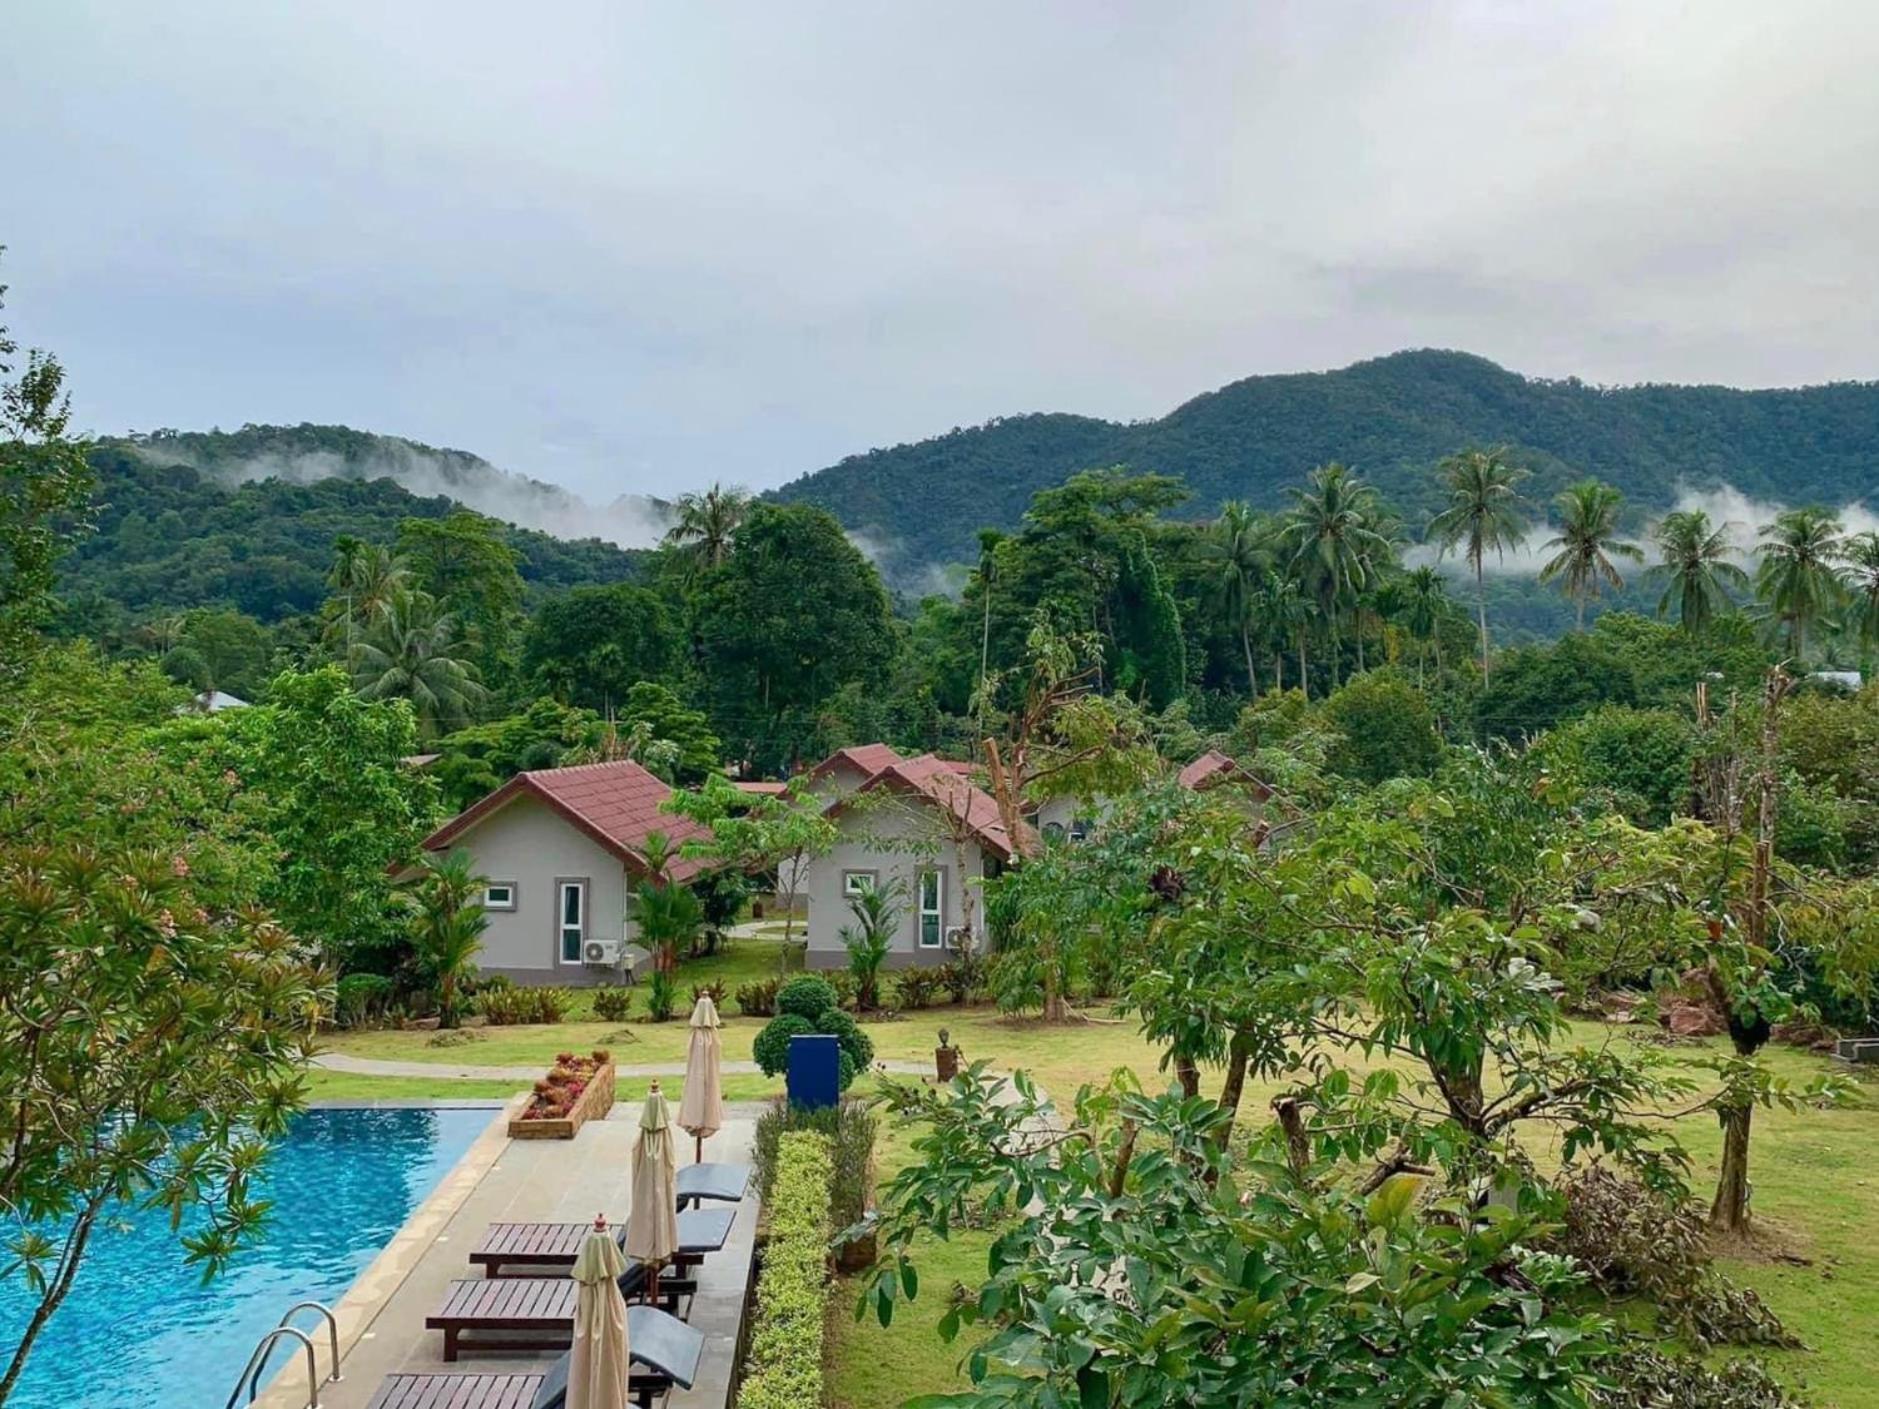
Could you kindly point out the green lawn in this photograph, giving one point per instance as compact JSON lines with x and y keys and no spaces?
{"x":1816,"y":1195}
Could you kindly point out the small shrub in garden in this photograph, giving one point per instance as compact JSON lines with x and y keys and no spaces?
{"x":785,"y":1364}
{"x":850,"y":1128}
{"x":757,"y":1000}
{"x":916,"y":988}
{"x":662,"y":996}
{"x":612,"y":1003}
{"x":713,"y":991}
{"x":845,"y":987}
{"x":807,"y":996}
{"x":771,"y":1049}
{"x":362,"y":998}
{"x":504,"y":1007}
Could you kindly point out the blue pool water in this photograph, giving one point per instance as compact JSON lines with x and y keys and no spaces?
{"x":139,"y":1330}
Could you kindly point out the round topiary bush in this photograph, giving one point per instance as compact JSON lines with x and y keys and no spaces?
{"x":771,"y":1049}
{"x":856,"y":1044}
{"x":807,"y":997}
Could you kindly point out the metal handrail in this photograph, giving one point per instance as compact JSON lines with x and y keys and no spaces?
{"x":259,"y":1357}
{"x":332,"y":1338}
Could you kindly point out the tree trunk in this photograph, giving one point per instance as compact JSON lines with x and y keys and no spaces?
{"x":1337,"y":650}
{"x":1730,"y":1211}
{"x":1579,"y":602}
{"x":1239,"y":1051}
{"x":1054,"y":1011}
{"x":1297,"y":1143}
{"x":985,"y":652}
{"x":1481,"y":606}
{"x":1359,"y":624}
{"x":75,"y":1243}
{"x":1304,"y":680}
{"x":1278,"y":668}
{"x":1246,"y":644}
{"x":1188,"y":1075}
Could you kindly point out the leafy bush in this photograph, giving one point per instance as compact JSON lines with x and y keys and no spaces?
{"x":855,"y":1043}
{"x":662,"y":996}
{"x":850,"y":1127}
{"x":843,"y":983}
{"x":1386,"y":729}
{"x":757,"y":1000}
{"x":713,"y":991}
{"x":1634,"y":1242}
{"x":963,"y":976}
{"x":613,"y":1004}
{"x":362,"y":998}
{"x":807,"y":996}
{"x":504,"y":1007}
{"x":785,"y":1364}
{"x":770,"y":1050}
{"x":916,"y":988}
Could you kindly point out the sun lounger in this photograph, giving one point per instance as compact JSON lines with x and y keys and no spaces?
{"x":529,"y":1313}
{"x":721,"y":1183}
{"x":664,"y":1351}
{"x":547,"y":1249}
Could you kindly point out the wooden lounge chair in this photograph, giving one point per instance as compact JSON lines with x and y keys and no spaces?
{"x":549,"y":1249}
{"x":664,"y":1352}
{"x":721,"y":1183}
{"x":529,"y":1313}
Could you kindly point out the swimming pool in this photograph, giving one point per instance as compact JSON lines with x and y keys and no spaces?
{"x":139,"y":1330}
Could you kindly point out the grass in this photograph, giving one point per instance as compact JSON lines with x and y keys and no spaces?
{"x":1816,"y":1200}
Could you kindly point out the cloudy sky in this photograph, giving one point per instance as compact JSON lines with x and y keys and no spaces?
{"x":632,"y":248}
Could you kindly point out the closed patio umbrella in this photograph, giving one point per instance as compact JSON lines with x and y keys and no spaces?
{"x":652,"y":1233}
{"x":701,"y":1108}
{"x":597,"y":1373}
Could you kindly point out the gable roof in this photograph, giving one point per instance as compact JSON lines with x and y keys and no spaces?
{"x":617,"y":804}
{"x":1213,"y":768}
{"x":866,"y":759}
{"x":939,"y":782}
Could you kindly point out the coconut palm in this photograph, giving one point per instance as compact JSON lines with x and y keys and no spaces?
{"x":414,"y":652}
{"x":1237,"y":553}
{"x":365,"y":577}
{"x":1483,"y":515}
{"x":1334,"y":544}
{"x":1288,"y":614}
{"x":1861,"y":555}
{"x":1696,"y":569}
{"x":447,"y":924}
{"x":707,"y":524}
{"x":1798,"y":581}
{"x":1425,"y":600}
{"x":1587,"y":542}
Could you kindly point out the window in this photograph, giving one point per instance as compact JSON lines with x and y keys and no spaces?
{"x":499,"y":895}
{"x":571,"y":918}
{"x":1081,"y":827}
{"x":858,"y":882}
{"x":932,"y":909}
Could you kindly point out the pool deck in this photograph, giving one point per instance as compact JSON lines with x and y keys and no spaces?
{"x":381,"y":1319}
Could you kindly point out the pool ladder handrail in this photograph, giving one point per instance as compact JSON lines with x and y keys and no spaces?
{"x":257,"y":1358}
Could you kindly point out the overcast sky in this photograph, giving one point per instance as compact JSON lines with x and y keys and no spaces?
{"x":639,"y":249}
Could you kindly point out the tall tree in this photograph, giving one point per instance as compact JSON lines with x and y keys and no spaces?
{"x":1240,"y":559}
{"x":363,"y":580}
{"x":1799,"y":577}
{"x":1424,"y":602}
{"x":414,"y":651}
{"x":1331,"y":531}
{"x":1861,"y":554}
{"x":1483,"y":515}
{"x":986,"y":579}
{"x":465,"y":563}
{"x":1696,"y":568}
{"x":591,"y":645}
{"x":45,"y":491}
{"x":1288,"y":614}
{"x":1586,"y":544}
{"x":707,"y":525}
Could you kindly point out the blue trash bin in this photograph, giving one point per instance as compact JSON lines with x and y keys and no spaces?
{"x":815,"y":1071}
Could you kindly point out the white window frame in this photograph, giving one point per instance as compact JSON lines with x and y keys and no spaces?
{"x":563,"y":885}
{"x":859,"y":883}
{"x":489,"y":895}
{"x":936,"y":912}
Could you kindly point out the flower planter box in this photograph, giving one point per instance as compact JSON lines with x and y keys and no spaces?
{"x":592,"y":1104}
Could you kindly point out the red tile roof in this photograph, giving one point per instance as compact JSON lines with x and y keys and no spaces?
{"x":1213,"y":768}
{"x":866,"y":759}
{"x":760,"y":788}
{"x":940,"y":781}
{"x":617,"y":804}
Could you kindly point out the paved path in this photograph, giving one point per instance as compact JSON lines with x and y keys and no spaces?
{"x":451,"y":1071}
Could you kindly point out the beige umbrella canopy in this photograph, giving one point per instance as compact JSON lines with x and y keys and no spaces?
{"x":597,"y":1373}
{"x":652,"y":1233}
{"x":701,"y":1108}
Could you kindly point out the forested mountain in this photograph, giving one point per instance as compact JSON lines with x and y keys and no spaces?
{"x":1392,"y":418}
{"x":171,"y":536}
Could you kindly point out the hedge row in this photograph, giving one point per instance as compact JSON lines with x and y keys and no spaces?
{"x":785,"y":1366}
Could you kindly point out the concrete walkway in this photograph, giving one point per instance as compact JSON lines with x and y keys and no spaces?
{"x":451,"y":1071}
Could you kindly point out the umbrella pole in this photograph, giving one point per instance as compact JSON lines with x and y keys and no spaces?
{"x":698,"y":1154}
{"x":652,"y":1285}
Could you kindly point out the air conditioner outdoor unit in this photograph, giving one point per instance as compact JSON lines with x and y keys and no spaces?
{"x":601,"y":951}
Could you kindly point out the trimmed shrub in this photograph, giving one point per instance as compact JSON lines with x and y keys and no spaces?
{"x":613,"y":1004}
{"x":856,"y":1044}
{"x":771,"y":1049}
{"x":849,"y":1127}
{"x":757,"y":1000}
{"x":785,"y":1364}
{"x":362,"y":998}
{"x":807,"y":997}
{"x":503,"y":1007}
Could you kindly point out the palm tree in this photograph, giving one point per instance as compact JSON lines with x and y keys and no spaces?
{"x":1696,"y":569}
{"x":1587,"y":542}
{"x":1288,"y":615}
{"x":1797,"y":580}
{"x":877,"y":911}
{"x":1425,"y":599}
{"x":447,"y":924}
{"x":707,"y":524}
{"x":1861,"y":554}
{"x":1333,"y":542}
{"x":1483,"y":514}
{"x":414,"y":652}
{"x":1236,"y":549}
